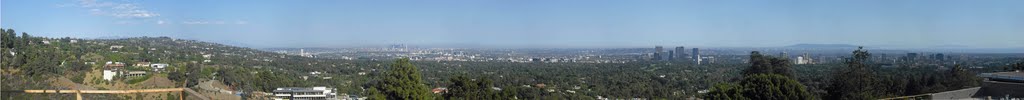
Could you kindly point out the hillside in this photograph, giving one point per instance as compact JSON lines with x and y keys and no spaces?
{"x":29,"y":62}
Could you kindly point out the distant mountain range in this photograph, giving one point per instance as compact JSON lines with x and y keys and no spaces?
{"x":940,"y":48}
{"x":822,"y":46}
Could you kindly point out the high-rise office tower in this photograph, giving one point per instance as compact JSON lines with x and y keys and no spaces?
{"x":671,"y":55}
{"x":680,"y":52}
{"x":696,"y":56}
{"x":658,"y":52}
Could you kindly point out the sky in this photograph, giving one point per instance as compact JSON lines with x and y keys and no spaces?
{"x":531,"y":23}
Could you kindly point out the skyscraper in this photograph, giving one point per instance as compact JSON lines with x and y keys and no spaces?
{"x":680,"y":52}
{"x":658,"y":52}
{"x":696,"y":56}
{"x":671,"y":55}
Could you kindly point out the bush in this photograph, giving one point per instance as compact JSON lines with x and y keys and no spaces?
{"x":78,"y":77}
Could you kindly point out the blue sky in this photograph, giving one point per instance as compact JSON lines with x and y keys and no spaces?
{"x":531,"y":23}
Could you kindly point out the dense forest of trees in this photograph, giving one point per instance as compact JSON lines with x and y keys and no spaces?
{"x":585,"y":80}
{"x":767,"y":78}
{"x":27,"y":63}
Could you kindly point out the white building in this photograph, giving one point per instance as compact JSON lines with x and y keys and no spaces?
{"x":109,"y":75}
{"x":141,"y":64}
{"x":158,"y":67}
{"x":302,"y":93}
{"x":207,"y":56}
{"x":116,"y":47}
{"x":135,"y":73}
{"x":800,"y":60}
{"x":804,"y":59}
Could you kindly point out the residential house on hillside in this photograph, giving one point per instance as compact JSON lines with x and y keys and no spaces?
{"x":113,"y":65}
{"x":158,"y":67}
{"x":109,"y":75}
{"x":115,"y":48}
{"x":135,"y":73}
{"x":302,"y":93}
{"x":110,"y":69}
{"x":141,"y":64}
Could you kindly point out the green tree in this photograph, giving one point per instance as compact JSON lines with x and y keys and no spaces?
{"x":376,"y":94}
{"x":7,"y":37}
{"x":767,"y":78}
{"x":913,"y":86}
{"x":774,"y":87}
{"x":760,"y":64}
{"x":761,"y":87}
{"x":403,"y":82}
{"x":25,"y":39}
{"x":1016,"y":66}
{"x":856,"y":81}
{"x":961,"y":78}
{"x":726,"y":91}
{"x":7,"y":46}
{"x":463,"y":88}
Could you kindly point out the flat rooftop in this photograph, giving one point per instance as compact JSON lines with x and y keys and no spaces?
{"x":1005,"y":76}
{"x":302,"y":89}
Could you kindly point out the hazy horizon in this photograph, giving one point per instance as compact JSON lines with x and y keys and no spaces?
{"x":532,"y":23}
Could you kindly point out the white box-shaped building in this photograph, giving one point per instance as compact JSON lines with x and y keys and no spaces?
{"x":109,"y":75}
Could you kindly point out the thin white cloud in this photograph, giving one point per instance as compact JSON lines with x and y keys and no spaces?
{"x":114,"y":9}
{"x":133,"y":13}
{"x":195,"y":22}
{"x":95,"y":11}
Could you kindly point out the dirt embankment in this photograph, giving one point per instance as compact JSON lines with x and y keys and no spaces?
{"x":93,"y":81}
{"x":65,"y":82}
